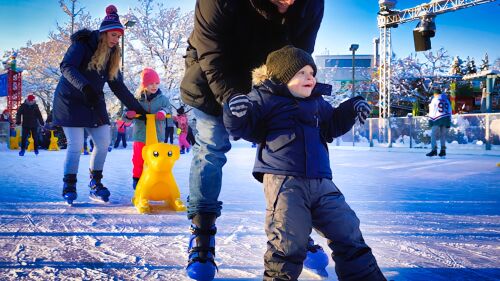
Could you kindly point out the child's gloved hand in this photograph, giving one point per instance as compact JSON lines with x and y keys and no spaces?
{"x":160,"y":116}
{"x":362,"y":109}
{"x":130,"y":114}
{"x":179,"y":131}
{"x":239,"y":104}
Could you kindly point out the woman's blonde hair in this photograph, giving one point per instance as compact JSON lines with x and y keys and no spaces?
{"x":103,"y":54}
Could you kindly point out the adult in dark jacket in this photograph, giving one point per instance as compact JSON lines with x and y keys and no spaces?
{"x":30,"y":117}
{"x":292,"y":126}
{"x":92,"y":60}
{"x":230,"y":38}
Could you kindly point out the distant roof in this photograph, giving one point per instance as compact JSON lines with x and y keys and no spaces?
{"x":481,"y":74}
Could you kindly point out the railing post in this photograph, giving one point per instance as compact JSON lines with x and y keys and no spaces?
{"x":370,"y":131}
{"x":353,"y":135}
{"x":411,"y":126}
{"x":487,"y":133}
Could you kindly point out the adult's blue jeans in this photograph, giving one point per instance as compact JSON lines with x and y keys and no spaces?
{"x":74,"y":136}
{"x":209,"y":156}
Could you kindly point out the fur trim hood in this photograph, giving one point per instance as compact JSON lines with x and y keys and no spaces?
{"x":81,"y":35}
{"x":259,"y":75}
{"x":86,"y":36}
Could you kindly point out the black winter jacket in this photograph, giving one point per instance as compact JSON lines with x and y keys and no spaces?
{"x":70,"y":107}
{"x":292,"y":132}
{"x":30,"y":115}
{"x":232,"y":37}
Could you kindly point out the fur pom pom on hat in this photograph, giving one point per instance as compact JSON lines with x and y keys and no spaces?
{"x":284,"y":63}
{"x":111,"y":21}
{"x":149,"y":76}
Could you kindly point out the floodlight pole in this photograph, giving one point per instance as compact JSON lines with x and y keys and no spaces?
{"x":353,"y":48}
{"x":126,"y":24}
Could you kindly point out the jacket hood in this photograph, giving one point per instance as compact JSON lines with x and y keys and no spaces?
{"x":259,"y":75}
{"x":86,"y":36}
{"x":261,"y":80}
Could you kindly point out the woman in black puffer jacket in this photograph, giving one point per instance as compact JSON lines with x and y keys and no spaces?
{"x":92,"y":60}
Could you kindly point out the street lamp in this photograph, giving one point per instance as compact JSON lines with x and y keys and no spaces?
{"x":128,"y":23}
{"x":353,"y":48}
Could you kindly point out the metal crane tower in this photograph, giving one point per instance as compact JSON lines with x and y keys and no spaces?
{"x":389,"y":18}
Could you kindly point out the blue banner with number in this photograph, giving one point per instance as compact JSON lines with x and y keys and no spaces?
{"x":3,"y":85}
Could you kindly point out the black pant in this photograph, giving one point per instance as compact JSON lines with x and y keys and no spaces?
{"x":169,"y":135}
{"x":26,"y":134}
{"x":121,"y":136}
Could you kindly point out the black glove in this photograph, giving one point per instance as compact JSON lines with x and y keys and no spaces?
{"x":239,"y":104}
{"x":91,"y":97}
{"x":363,"y":110}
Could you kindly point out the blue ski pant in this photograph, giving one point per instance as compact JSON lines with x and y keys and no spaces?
{"x":294,"y":206}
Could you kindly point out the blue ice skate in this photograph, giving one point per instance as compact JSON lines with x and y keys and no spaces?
{"x":201,"y":265}
{"x":316,"y":260}
{"x":69,"y":188}
{"x":98,"y":192}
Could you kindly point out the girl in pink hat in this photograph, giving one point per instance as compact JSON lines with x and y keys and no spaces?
{"x":152,"y":100}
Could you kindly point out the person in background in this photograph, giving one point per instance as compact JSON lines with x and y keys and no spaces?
{"x":85,"y":143}
{"x":5,"y":117}
{"x":182,"y":128}
{"x":121,"y":128}
{"x":92,"y":59}
{"x":30,"y":117}
{"x":439,"y":121}
{"x":169,"y":129}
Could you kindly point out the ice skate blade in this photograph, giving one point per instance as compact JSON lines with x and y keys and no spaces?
{"x":318,"y":274}
{"x":99,"y":200}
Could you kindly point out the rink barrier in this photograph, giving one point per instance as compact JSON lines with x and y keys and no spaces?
{"x":470,"y":131}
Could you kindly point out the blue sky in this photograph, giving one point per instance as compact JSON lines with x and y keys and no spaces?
{"x":468,"y":32}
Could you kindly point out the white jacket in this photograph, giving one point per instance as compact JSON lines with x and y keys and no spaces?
{"x":439,"y":107}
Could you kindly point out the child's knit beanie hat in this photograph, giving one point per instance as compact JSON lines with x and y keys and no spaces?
{"x":284,"y":63}
{"x":149,"y":76}
{"x":111,"y":21}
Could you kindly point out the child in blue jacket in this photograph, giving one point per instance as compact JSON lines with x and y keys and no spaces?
{"x":292,"y":125}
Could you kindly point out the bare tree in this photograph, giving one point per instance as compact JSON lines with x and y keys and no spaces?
{"x":41,"y":64}
{"x":158,"y":39}
{"x":438,"y":63}
{"x":496,"y":64}
{"x":70,"y":11}
{"x":41,"y":61}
